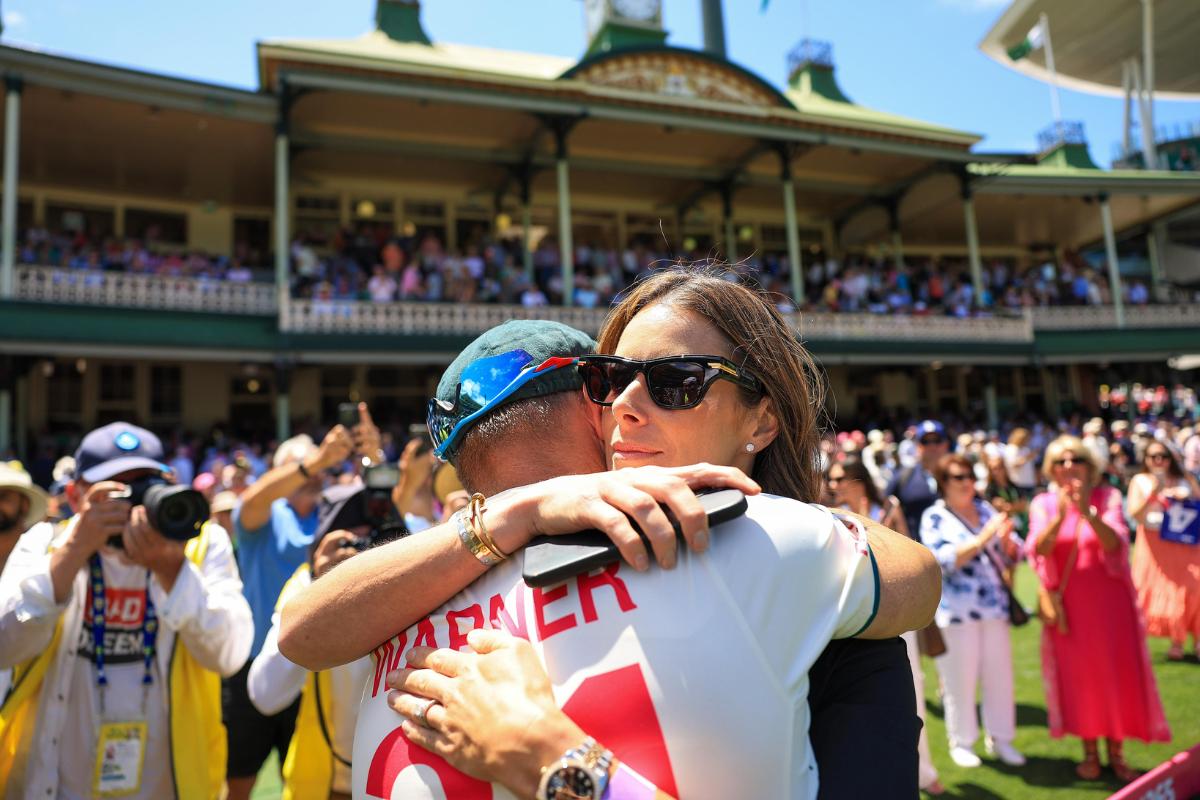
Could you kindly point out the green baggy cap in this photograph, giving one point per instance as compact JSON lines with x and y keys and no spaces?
{"x":541,"y":339}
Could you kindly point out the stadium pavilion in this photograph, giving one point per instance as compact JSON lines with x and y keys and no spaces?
{"x":637,"y":140}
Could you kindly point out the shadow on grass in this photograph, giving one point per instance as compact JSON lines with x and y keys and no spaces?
{"x":1055,"y":773}
{"x":1034,"y":716}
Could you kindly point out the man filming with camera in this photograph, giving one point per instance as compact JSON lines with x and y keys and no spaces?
{"x":119,"y":625}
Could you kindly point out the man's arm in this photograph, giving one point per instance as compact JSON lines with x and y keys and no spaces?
{"x":325,"y":625}
{"x":207,"y":610}
{"x":28,"y":611}
{"x":910,"y":582}
{"x":255,"y":509}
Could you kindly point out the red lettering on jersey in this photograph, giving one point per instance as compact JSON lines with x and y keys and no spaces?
{"x":498,"y":616}
{"x":425,"y":637}
{"x":616,"y":709}
{"x":395,"y":754}
{"x":607,"y":577}
{"x":394,"y":661}
{"x":458,"y":637}
{"x":383,"y":654}
{"x":541,"y":599}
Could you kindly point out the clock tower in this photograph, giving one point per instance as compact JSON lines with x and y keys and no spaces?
{"x":619,"y":24}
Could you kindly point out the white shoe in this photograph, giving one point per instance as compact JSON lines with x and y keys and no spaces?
{"x":1006,"y":753}
{"x":964,"y":757}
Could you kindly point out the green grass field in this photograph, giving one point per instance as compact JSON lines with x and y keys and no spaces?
{"x":1050,"y":772}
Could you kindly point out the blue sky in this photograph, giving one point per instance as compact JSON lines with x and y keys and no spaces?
{"x":913,"y":57}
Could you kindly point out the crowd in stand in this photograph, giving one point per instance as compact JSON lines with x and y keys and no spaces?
{"x":361,"y":266}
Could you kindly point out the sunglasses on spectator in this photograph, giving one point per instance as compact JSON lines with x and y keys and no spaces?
{"x":1068,"y":461}
{"x":673,"y":382}
{"x":832,"y":481}
{"x":959,"y":476}
{"x":1158,"y":457}
{"x":933,"y":440}
{"x":483,"y":386}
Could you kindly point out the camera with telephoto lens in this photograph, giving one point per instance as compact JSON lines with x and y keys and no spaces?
{"x":177,"y":512}
{"x":378,"y":509}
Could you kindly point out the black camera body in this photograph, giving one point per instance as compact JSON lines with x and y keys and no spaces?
{"x":177,"y":512}
{"x":378,"y":509}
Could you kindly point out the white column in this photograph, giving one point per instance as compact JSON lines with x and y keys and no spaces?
{"x":1110,"y":251}
{"x":973,"y":246}
{"x":8,"y":217}
{"x":1153,"y":244}
{"x":566,"y":243}
{"x":282,"y":235}
{"x":1147,"y":104}
{"x":1127,"y":108}
{"x":793,"y":241}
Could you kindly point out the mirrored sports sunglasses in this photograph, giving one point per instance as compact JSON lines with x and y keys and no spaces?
{"x":482,"y":387}
{"x":674,"y":382}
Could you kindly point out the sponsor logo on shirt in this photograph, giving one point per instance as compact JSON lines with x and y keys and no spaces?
{"x":126,"y":609}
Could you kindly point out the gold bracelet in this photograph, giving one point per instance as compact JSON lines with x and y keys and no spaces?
{"x":472,"y":542}
{"x":476,"y":508}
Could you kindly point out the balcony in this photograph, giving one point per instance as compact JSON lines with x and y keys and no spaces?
{"x":336,"y":317}
{"x":126,"y":290}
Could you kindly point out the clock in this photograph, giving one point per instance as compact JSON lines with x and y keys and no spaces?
{"x":638,"y":10}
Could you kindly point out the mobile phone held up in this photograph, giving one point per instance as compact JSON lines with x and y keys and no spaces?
{"x":552,"y":559}
{"x":348,"y":415}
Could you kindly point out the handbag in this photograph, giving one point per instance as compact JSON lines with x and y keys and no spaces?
{"x":1050,"y":601}
{"x":1017,"y":615}
{"x":930,"y":642}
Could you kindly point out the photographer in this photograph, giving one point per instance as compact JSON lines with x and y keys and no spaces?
{"x":274,"y":525}
{"x":317,"y":760}
{"x":119,"y":635}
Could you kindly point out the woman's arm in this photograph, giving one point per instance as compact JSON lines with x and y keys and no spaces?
{"x":968,"y":550}
{"x":1110,"y":538}
{"x":1045,"y":538}
{"x":323,"y":626}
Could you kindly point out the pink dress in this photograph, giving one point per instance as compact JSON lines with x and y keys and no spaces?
{"x":1098,"y":677}
{"x":1167,"y":576}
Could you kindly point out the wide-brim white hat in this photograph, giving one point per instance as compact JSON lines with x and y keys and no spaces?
{"x":17,"y":479}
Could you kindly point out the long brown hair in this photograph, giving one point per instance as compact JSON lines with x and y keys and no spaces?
{"x":762,"y":342}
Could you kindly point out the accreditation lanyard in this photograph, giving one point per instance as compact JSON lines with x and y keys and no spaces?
{"x":149,"y":632}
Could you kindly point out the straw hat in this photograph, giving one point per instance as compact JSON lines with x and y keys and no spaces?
{"x":15,"y":478}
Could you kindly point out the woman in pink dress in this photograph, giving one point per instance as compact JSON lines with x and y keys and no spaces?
{"x":1095,"y":664}
{"x":1166,"y":573}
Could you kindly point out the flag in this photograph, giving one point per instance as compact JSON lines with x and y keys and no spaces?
{"x":1032,"y":41}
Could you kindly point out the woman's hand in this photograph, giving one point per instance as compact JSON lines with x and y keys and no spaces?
{"x":609,"y":500}
{"x":999,"y":525}
{"x":494,"y":715}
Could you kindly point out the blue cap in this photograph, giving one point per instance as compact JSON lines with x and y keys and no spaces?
{"x":930,"y":426}
{"x":117,"y":447}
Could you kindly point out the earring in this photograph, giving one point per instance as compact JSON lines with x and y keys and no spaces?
{"x":749,"y":447}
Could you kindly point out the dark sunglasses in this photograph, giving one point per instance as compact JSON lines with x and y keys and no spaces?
{"x":933,"y":440}
{"x":1067,"y":461}
{"x":960,"y":476}
{"x":674,"y":382}
{"x":1158,"y":457}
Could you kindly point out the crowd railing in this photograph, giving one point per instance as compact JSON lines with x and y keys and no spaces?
{"x":127,"y":290}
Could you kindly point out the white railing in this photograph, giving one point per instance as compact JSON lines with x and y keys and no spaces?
{"x":85,"y":287}
{"x":1061,"y":318}
{"x":348,"y":317}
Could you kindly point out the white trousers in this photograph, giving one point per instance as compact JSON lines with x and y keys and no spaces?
{"x":978,"y":656}
{"x":927,"y":774}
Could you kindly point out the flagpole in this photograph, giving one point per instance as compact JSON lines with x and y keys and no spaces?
{"x":1054,"y":101}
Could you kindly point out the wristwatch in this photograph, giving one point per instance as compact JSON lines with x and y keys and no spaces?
{"x":581,"y":774}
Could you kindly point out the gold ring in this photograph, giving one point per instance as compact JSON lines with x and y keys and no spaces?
{"x":423,"y":714}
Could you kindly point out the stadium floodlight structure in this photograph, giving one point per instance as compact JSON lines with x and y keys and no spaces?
{"x":1111,"y":47}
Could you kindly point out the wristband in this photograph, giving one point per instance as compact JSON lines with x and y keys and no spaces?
{"x":475,"y":509}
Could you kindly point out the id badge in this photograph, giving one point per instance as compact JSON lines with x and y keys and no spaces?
{"x":119,"y":756}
